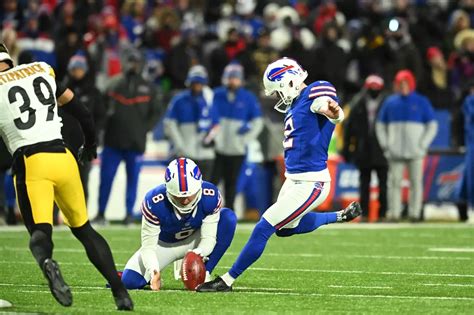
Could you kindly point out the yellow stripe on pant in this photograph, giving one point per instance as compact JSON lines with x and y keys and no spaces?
{"x":50,"y":177}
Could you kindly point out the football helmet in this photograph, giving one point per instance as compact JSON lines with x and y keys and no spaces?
{"x":284,"y":77}
{"x":5,"y":55}
{"x":183,"y":180}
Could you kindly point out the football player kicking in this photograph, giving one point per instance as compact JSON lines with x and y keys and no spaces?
{"x":181,"y":215}
{"x":46,"y":172}
{"x":311,"y":112}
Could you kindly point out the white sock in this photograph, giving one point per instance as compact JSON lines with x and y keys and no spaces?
{"x":208,"y":277}
{"x":228,"y":279}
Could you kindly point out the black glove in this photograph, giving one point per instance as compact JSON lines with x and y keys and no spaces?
{"x":87,"y":153}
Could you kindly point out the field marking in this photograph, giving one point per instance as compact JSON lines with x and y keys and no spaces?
{"x":456,"y":298}
{"x":357,"y":287}
{"x":452,"y":249}
{"x":82,"y":251}
{"x":387,"y":273}
{"x":66,"y":263}
{"x":45,"y":285}
{"x":449,"y":285}
{"x":250,"y":226}
{"x":277,"y":291}
{"x":365,"y":256}
{"x":384,"y":273}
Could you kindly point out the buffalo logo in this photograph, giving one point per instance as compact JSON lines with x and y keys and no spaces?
{"x":197,"y":173}
{"x":277,"y":73}
{"x":167,"y":175}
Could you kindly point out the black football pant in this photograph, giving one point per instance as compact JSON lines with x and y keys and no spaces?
{"x":364,"y":189}
{"x":227,"y":168}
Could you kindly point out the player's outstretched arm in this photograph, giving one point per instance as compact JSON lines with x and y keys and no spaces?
{"x":328,"y":107}
{"x":208,"y":235}
{"x":149,"y":236}
{"x":68,"y":102}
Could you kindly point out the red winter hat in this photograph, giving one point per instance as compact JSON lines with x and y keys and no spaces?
{"x":433,"y":52}
{"x":374,"y":82}
{"x":405,"y":75}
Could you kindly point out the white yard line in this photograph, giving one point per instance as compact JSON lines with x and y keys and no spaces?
{"x":357,"y":287}
{"x":448,"y":285}
{"x":385,"y":273}
{"x":274,"y":291}
{"x":452,"y":249}
{"x":297,"y":255}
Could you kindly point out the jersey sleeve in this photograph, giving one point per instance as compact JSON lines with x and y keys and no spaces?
{"x":319,"y":93}
{"x":212,"y":198}
{"x":148,"y":211}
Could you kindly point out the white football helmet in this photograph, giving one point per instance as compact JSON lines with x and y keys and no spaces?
{"x":183,"y":184}
{"x":284,"y":77}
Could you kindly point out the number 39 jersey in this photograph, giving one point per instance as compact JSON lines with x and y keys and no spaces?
{"x":28,"y":105}
{"x":174,"y":226}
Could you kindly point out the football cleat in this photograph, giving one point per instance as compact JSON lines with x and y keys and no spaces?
{"x":351,"y":212}
{"x":216,"y":285}
{"x":123,"y":301}
{"x":58,"y":287}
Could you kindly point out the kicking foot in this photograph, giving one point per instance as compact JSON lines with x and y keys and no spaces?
{"x":58,"y":287}
{"x":216,"y":285}
{"x":350,"y":213}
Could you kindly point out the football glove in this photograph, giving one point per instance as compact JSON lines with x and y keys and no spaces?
{"x":87,"y":153}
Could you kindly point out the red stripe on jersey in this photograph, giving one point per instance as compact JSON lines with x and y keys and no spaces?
{"x":322,"y":87}
{"x":325,"y":93}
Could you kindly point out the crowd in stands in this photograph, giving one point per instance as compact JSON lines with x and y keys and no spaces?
{"x":341,"y":41}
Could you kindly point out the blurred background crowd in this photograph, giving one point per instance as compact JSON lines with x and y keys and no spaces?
{"x":118,"y":53}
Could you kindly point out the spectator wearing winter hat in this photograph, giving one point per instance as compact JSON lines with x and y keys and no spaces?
{"x":361,"y":145}
{"x":240,"y":123}
{"x":405,"y":128}
{"x":86,"y":93}
{"x":132,"y":111}
{"x":191,"y":121}
{"x":463,"y":61}
{"x":436,"y":82}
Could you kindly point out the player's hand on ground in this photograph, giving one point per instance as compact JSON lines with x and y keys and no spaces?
{"x":87,"y":153}
{"x":155,"y":282}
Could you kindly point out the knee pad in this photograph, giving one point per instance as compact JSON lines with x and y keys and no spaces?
{"x":132,"y":280}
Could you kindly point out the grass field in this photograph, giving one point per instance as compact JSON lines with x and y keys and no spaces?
{"x":351,"y":268}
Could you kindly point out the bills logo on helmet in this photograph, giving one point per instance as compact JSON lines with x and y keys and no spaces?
{"x":168,"y":175}
{"x":197,"y":173}
{"x":276,"y":74}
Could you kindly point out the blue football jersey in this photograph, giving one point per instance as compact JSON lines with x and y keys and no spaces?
{"x":175,"y":227}
{"x":307,"y":134}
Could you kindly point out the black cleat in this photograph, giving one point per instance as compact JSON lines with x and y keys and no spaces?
{"x":216,"y":285}
{"x":123,"y":301}
{"x":58,"y":287}
{"x":351,"y":212}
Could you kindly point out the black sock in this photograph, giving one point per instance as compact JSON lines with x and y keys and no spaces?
{"x":99,"y":254}
{"x":41,"y":243}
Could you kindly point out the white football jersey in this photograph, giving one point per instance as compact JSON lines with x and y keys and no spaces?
{"x":28,"y":107}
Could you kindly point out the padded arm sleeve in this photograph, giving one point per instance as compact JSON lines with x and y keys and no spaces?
{"x":83,"y":115}
{"x":150,"y":234}
{"x":209,"y":234}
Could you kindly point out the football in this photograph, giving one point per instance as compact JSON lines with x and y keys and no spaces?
{"x":193,"y":271}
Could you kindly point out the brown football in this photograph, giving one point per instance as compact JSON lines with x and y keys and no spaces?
{"x":193,"y":271}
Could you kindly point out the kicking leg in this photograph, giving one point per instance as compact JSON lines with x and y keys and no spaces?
{"x":309,"y":222}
